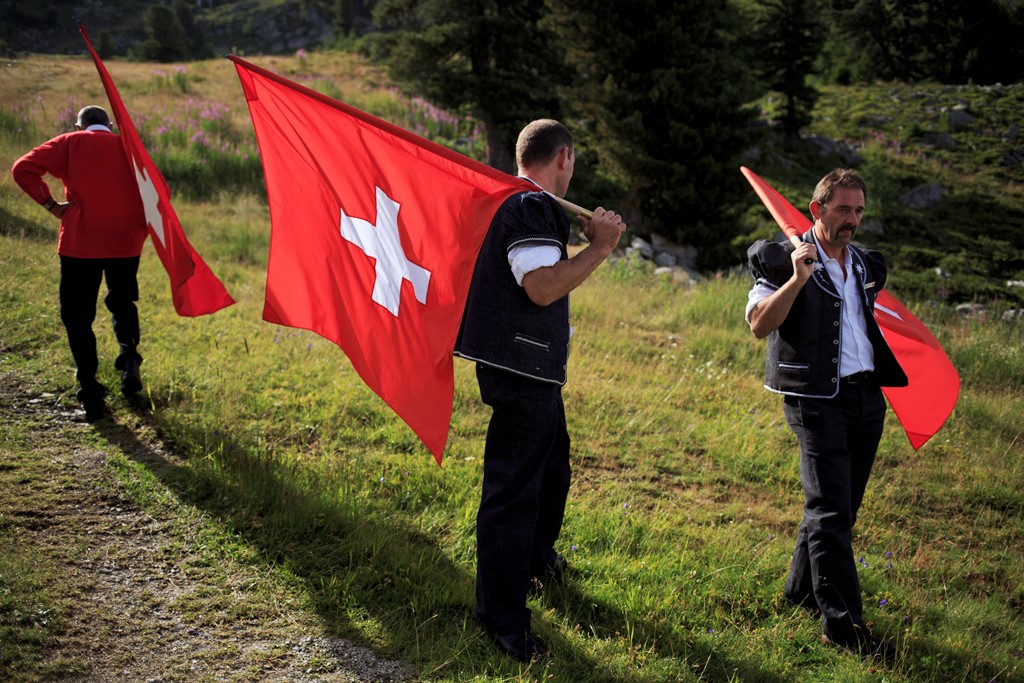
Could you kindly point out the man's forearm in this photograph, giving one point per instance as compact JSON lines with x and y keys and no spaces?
{"x":546,"y":285}
{"x":771,"y":311}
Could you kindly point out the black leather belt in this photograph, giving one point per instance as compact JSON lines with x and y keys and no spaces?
{"x":856,"y":378}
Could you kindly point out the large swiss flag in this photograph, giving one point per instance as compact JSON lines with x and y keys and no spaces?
{"x":927,"y":401}
{"x":374,"y":235}
{"x":195,"y":290}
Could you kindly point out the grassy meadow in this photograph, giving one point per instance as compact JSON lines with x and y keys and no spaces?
{"x":686,"y":494}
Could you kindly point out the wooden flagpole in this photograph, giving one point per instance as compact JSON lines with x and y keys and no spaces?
{"x":570,"y":207}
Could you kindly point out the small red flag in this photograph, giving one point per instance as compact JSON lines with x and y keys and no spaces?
{"x":374,"y":236}
{"x":927,"y":401}
{"x":195,"y":290}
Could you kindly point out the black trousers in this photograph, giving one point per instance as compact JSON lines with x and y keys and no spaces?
{"x":79,"y":288}
{"x":525,"y":487}
{"x":838,"y":440}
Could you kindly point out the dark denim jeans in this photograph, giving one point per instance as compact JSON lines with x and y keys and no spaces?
{"x":525,"y":486}
{"x":79,"y":286}
{"x":838,"y":439}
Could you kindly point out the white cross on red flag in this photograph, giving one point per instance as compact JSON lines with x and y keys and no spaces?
{"x":930,"y":396}
{"x":195,"y":290}
{"x":374,"y":236}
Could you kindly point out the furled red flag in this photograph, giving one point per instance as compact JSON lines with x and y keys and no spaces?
{"x":195,"y":290}
{"x":374,"y":235}
{"x":924,"y":404}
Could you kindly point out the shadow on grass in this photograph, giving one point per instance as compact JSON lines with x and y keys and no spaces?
{"x":15,"y":226}
{"x":365,"y":569}
{"x":356,"y":567}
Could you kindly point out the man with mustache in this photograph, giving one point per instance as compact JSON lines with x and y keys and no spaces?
{"x":828,"y":359}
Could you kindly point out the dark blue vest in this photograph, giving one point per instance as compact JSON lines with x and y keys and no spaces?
{"x":804,"y":352}
{"x":502,"y":327}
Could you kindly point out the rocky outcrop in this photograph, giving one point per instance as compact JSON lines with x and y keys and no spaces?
{"x":673,"y":261}
{"x":923,"y":196}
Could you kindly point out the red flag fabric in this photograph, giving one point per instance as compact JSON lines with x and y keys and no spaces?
{"x":195,"y":290}
{"x":927,"y":401}
{"x":792,"y":222}
{"x":374,"y":236}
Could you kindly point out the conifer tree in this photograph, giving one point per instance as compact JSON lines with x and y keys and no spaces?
{"x":166,"y":41}
{"x":662,"y":90}
{"x":105,"y":45}
{"x":488,"y":55}
{"x":788,"y":37}
{"x":194,"y":37}
{"x":348,"y":15}
{"x":950,"y":41}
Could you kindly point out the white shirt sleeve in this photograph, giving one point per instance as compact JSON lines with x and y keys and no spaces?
{"x":758,"y":292}
{"x":531,"y":257}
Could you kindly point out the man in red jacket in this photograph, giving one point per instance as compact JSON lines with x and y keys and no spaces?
{"x":102,"y":230}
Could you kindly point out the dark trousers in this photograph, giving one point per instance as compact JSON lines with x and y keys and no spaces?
{"x":525,"y":486}
{"x":838,"y":439}
{"x":79,"y":287}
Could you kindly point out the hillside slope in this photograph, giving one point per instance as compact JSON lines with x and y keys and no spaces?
{"x":945,"y":168}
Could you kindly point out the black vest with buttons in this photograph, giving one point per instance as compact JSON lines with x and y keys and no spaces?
{"x":804,"y":352}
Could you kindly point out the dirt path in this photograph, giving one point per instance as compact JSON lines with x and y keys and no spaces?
{"x":134,"y":598}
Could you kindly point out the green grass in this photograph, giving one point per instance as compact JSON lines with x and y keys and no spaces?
{"x":681,"y":518}
{"x":26,"y":610}
{"x":682,"y":514}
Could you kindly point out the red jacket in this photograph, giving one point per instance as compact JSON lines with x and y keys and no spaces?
{"x":107,"y":219}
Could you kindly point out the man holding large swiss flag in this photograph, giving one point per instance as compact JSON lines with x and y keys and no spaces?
{"x":102,"y":230}
{"x":813,"y":299}
{"x":517,"y":330}
{"x":114,"y":194}
{"x":375,"y":233}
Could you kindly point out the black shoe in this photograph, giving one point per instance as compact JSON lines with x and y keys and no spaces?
{"x":95,"y":408}
{"x":131,"y":382}
{"x":520,"y":645}
{"x":90,"y":391}
{"x":551,"y":575}
{"x":90,"y":395}
{"x":866,"y":644}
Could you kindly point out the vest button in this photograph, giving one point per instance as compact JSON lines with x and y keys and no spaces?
{"x":835,"y":360}
{"x":837,"y":304}
{"x":834,"y":380}
{"x":835,"y":323}
{"x":835,"y":342}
